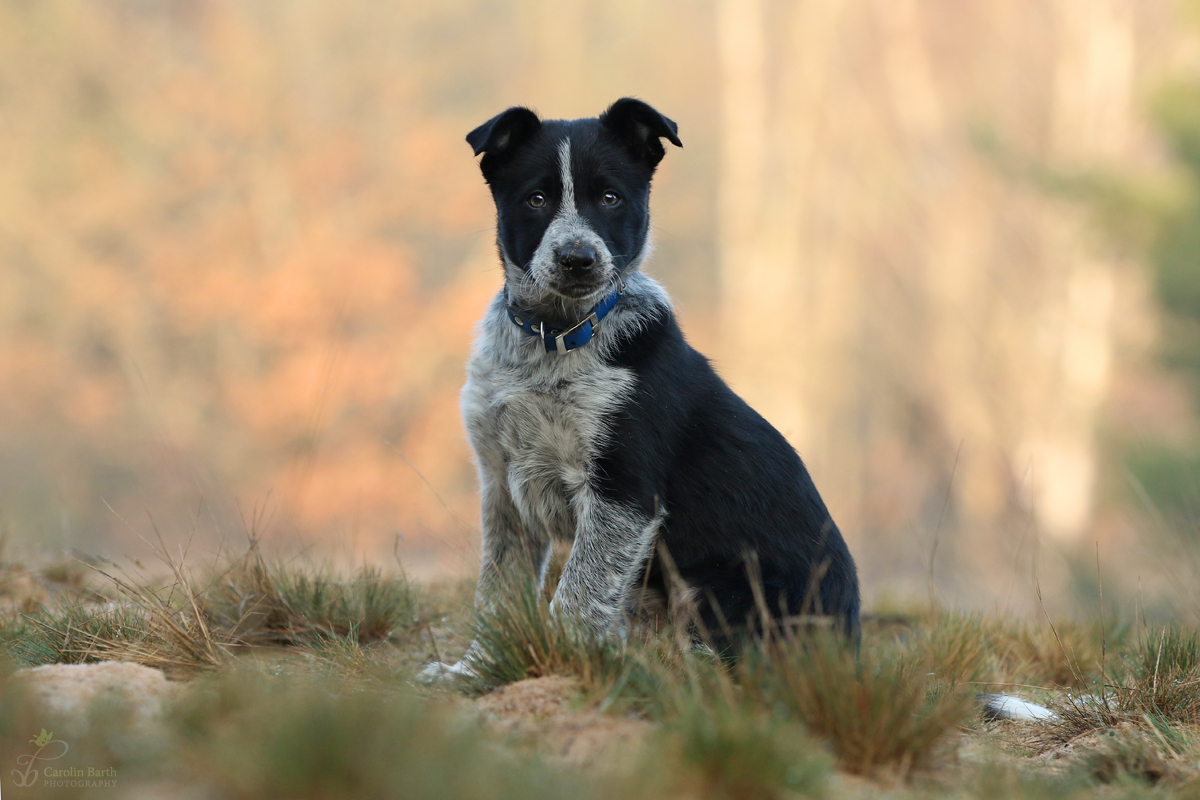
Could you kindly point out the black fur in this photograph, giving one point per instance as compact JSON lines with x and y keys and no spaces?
{"x":740,"y":504}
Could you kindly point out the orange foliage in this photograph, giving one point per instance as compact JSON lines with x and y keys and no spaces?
{"x":212,"y":290}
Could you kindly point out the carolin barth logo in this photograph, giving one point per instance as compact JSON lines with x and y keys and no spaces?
{"x":51,"y":749}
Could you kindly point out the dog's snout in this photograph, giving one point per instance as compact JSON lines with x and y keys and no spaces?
{"x":576,"y":256}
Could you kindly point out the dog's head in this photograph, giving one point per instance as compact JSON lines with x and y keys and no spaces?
{"x":572,"y":199}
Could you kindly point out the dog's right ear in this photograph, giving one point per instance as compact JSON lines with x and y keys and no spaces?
{"x":502,"y":133}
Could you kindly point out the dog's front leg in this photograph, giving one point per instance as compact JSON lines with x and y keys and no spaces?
{"x":612,"y":543}
{"x":511,"y":556}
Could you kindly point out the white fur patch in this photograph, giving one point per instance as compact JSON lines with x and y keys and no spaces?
{"x":566,"y":177}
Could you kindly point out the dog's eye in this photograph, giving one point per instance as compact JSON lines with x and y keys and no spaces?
{"x":610,"y":198}
{"x":536,"y":200}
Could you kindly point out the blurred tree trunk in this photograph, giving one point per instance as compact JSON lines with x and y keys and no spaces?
{"x":770,"y":324}
{"x":1090,"y":116}
{"x":933,"y":336}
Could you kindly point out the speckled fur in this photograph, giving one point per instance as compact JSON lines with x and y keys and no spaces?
{"x":537,"y":423}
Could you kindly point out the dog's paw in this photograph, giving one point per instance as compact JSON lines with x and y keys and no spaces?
{"x":438,"y":673}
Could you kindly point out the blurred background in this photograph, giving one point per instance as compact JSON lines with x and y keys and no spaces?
{"x":950,"y":248}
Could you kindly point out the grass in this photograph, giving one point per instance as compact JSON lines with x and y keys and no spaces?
{"x":148,"y":625}
{"x":300,"y":740}
{"x":731,"y":749}
{"x":998,"y":651}
{"x":881,"y":712}
{"x":243,"y":734}
{"x":296,"y":681}
{"x":75,"y":634}
{"x":1163,"y":676}
{"x":1152,"y":689}
{"x":194,"y":623}
{"x":257,"y":602}
{"x":521,"y":639}
{"x":1123,"y":759}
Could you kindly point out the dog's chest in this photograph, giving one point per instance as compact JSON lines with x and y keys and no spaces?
{"x":542,"y":422}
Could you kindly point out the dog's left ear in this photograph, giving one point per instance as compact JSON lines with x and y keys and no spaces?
{"x":639,"y":127}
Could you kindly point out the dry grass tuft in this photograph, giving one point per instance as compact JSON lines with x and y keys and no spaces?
{"x":730,"y":747}
{"x":181,"y":628}
{"x":1001,"y":651}
{"x":1153,"y":687}
{"x":881,"y":713}
{"x":1131,"y":756}
{"x":78,"y":635}
{"x":157,"y":627}
{"x":257,"y":602}
{"x":520,"y":638}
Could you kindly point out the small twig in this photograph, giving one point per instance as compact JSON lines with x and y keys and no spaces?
{"x":433,"y":642}
{"x":754,"y":577}
{"x":1020,"y":542}
{"x":437,"y":495}
{"x":1103,"y":634}
{"x":1037,"y":586}
{"x":1015,"y":685}
{"x":937,"y":531}
{"x":656,"y":521}
{"x":1158,"y":660}
{"x":1142,"y":603}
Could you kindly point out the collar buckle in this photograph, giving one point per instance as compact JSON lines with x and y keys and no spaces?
{"x":560,"y":345}
{"x":557,"y":342}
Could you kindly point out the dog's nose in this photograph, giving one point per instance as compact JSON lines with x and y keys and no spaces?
{"x":576,"y":256}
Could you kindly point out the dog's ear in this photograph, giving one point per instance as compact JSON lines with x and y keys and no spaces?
{"x":639,"y":127}
{"x":499,"y":135}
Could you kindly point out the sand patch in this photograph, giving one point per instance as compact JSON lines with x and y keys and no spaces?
{"x":549,"y":715}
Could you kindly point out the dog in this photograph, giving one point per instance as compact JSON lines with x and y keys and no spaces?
{"x":593,"y":421}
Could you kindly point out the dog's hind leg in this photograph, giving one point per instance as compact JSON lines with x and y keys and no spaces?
{"x":611,"y":546}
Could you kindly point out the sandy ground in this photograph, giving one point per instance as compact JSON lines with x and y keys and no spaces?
{"x":547,"y":714}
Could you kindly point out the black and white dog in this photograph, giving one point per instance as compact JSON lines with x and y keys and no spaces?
{"x":594,"y":421}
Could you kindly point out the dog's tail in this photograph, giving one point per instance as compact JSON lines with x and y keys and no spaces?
{"x":1005,"y":706}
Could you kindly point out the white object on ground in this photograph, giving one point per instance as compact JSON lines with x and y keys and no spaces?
{"x":437,"y":672}
{"x":1005,"y":706}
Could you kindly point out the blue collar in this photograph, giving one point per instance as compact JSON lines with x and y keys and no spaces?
{"x":560,"y":341}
